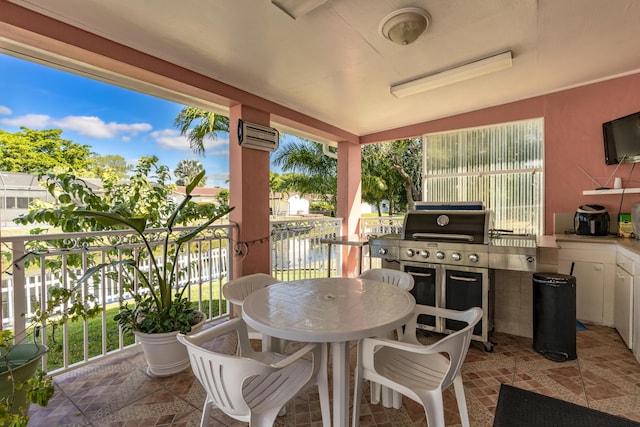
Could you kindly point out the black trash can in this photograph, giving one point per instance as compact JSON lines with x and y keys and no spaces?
{"x":554,"y":316}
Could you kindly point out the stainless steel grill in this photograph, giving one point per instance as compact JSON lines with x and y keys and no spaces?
{"x":451,"y":255}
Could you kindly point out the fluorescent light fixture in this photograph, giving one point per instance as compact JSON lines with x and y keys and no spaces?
{"x":454,"y":75}
{"x":297,"y":8}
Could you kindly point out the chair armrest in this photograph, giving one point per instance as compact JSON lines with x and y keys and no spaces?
{"x":369,"y":345}
{"x":409,"y":335}
{"x":219,"y":328}
{"x":295,"y":356}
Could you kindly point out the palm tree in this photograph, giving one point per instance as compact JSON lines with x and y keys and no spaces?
{"x":313,"y":172}
{"x":186,"y":170}
{"x":206,"y":125}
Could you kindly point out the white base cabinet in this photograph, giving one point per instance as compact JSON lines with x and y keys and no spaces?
{"x":594,"y":267}
{"x":635,"y":332}
{"x":623,"y":300}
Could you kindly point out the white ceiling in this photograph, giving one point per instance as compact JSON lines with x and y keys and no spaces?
{"x":333,"y":65}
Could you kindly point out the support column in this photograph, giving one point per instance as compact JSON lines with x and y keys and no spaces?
{"x":249,"y":194}
{"x":349,"y":200}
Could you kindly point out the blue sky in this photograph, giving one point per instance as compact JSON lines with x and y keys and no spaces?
{"x":109,"y":119}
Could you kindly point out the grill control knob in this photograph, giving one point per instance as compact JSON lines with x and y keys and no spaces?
{"x":410,"y":252}
{"x":383,"y":251}
{"x":440,"y":255}
{"x":456,"y":256}
{"x":424,"y":253}
{"x":473,"y":257}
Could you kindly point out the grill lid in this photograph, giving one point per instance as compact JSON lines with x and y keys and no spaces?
{"x":447,"y":226}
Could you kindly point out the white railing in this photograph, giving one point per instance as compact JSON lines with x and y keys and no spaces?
{"x":39,"y":261}
{"x":296,"y":248}
{"x":378,"y":226}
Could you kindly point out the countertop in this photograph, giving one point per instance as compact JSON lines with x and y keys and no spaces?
{"x":625,"y":242}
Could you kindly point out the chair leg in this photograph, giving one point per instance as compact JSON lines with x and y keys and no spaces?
{"x":375,"y":390}
{"x":397,"y":400}
{"x":206,"y":413}
{"x":462,"y":401}
{"x":434,"y":409}
{"x":265,"y":419}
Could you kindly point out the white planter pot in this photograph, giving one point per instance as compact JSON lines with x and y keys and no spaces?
{"x":165,"y":355}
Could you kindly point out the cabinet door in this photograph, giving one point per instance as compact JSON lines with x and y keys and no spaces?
{"x":635,"y":330}
{"x":589,"y":289}
{"x":623,"y":303}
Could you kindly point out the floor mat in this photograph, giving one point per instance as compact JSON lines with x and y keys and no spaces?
{"x":522,"y":408}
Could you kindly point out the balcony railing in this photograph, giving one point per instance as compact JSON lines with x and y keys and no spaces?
{"x":39,"y":261}
{"x":380,"y":225}
{"x":296,"y":251}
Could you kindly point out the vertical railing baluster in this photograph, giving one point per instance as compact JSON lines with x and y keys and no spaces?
{"x":18,"y":297}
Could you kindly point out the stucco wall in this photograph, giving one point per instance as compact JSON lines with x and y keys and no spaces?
{"x":573,"y":138}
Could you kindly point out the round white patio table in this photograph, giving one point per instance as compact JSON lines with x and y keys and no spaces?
{"x":329,"y":310}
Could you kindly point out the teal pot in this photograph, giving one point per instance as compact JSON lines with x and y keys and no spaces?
{"x":165,"y":355}
{"x":24,"y":360}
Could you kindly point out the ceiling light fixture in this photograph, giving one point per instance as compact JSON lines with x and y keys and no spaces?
{"x":404,"y":26}
{"x":297,"y":8}
{"x":454,"y":75}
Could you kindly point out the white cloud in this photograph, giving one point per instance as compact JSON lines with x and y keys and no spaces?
{"x":92,"y":127}
{"x":31,"y":121}
{"x":5,"y":110}
{"x":171,"y":138}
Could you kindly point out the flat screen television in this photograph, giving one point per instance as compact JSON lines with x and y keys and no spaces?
{"x":622,"y":139}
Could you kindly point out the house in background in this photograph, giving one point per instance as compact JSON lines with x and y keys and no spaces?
{"x":298,"y":205}
{"x":18,"y":190}
{"x":289,"y":204}
{"x":200,"y":194}
{"x":366,"y":208}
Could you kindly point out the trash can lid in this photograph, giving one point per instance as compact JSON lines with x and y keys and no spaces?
{"x":553,"y":278}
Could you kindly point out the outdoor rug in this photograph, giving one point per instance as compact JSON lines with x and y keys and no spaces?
{"x":522,"y":408}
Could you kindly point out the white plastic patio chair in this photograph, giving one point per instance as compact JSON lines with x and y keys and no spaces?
{"x":236,"y":290}
{"x":403,"y":281}
{"x":387,"y":275}
{"x":420,"y":372}
{"x":255,"y":387}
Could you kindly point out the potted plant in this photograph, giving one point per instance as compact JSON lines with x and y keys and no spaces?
{"x":160,"y":309}
{"x":21,"y":380}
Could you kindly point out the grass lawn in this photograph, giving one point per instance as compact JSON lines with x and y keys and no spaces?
{"x":75,"y":334}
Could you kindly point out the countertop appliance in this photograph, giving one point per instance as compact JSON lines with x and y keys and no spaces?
{"x":451,"y":254}
{"x":591,"y":220}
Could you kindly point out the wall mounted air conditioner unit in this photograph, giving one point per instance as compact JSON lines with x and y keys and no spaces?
{"x":257,"y":137}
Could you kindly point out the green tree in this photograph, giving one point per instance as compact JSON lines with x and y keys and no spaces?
{"x":223,"y":197}
{"x":311,"y":172}
{"x":34,"y":151}
{"x":144,"y":195}
{"x":198,"y":124}
{"x":111,"y":165}
{"x":406,"y":158}
{"x":187,"y":170}
{"x":392,"y":171}
{"x":374,"y":188}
